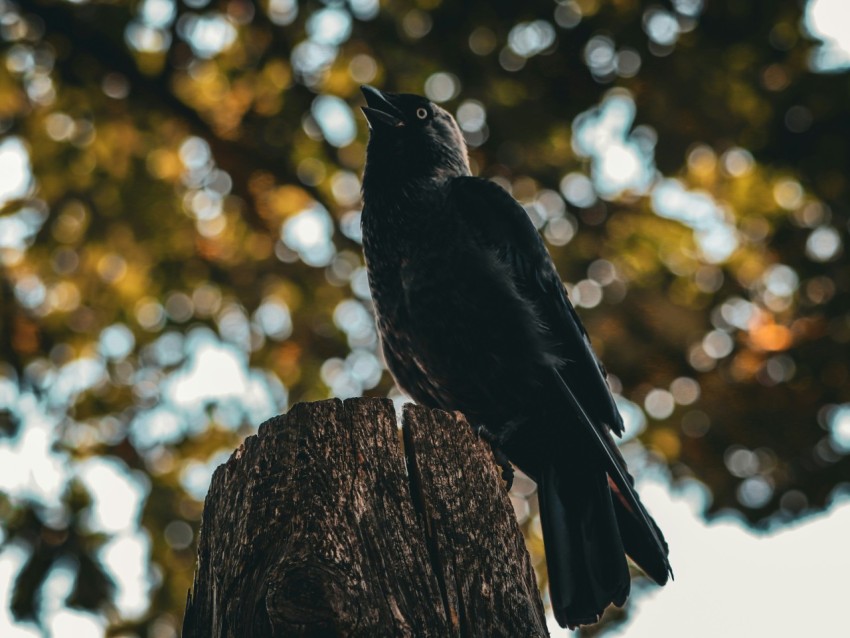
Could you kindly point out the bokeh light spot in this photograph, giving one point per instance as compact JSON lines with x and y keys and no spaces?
{"x":741,"y":462}
{"x":528,"y":39}
{"x":209,"y":34}
{"x":116,"y":342}
{"x":659,"y":404}
{"x":282,"y":12}
{"x":755,"y":492}
{"x":15,"y":170}
{"x":335,"y":119}
{"x":718,"y":344}
{"x":685,"y":390}
{"x":482,"y":41}
{"x":363,"y":68}
{"x":661,"y":26}
{"x":578,"y":190}
{"x":788,"y":193}
{"x":839,"y":428}
{"x":587,"y":293}
{"x":441,"y":87}
{"x":329,"y":26}
{"x":416,"y":24}
{"x":781,"y":280}
{"x":178,"y":534}
{"x":308,"y":233}
{"x":737,"y":162}
{"x":824,"y":244}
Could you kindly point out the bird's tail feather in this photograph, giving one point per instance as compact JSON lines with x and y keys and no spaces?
{"x":591,"y":518}
{"x":584,"y":551}
{"x":642,"y":538}
{"x":647,"y":549}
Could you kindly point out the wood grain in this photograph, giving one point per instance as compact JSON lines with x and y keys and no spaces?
{"x":315,"y":527}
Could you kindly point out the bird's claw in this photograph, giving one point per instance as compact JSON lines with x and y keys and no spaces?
{"x":500,"y":457}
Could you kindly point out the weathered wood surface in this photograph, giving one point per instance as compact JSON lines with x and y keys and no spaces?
{"x":322,"y":525}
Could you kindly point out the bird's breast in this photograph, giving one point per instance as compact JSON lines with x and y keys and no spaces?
{"x":456,"y":333}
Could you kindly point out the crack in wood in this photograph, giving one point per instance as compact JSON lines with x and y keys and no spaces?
{"x":328,"y":523}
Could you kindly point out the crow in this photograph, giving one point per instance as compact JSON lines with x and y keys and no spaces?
{"x":474,"y":317}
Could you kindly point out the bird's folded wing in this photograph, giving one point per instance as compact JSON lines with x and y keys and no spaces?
{"x":497,"y":220}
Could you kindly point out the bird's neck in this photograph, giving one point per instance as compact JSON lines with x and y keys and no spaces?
{"x":393,"y":185}
{"x":407,"y":215}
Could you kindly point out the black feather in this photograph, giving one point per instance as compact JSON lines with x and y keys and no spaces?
{"x":473,"y":317}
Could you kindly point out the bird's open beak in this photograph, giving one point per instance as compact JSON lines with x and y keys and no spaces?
{"x":380,"y":110}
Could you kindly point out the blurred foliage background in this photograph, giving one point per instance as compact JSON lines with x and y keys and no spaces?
{"x":180,"y":259}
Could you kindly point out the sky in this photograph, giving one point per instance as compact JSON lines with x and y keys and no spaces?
{"x":733,"y":582}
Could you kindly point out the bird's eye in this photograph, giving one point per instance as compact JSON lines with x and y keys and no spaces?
{"x":422,"y":113}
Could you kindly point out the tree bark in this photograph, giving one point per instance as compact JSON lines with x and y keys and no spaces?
{"x":322,"y":525}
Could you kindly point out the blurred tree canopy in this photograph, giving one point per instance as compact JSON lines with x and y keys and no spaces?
{"x":179,"y":256}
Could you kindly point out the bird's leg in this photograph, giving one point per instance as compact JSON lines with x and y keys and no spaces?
{"x":501,"y":458}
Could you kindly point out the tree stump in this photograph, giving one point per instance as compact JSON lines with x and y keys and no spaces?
{"x":322,"y":525}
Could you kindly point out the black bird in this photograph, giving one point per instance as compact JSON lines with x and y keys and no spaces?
{"x":474,"y":317}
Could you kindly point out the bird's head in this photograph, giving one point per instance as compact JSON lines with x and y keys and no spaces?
{"x":410,"y":138}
